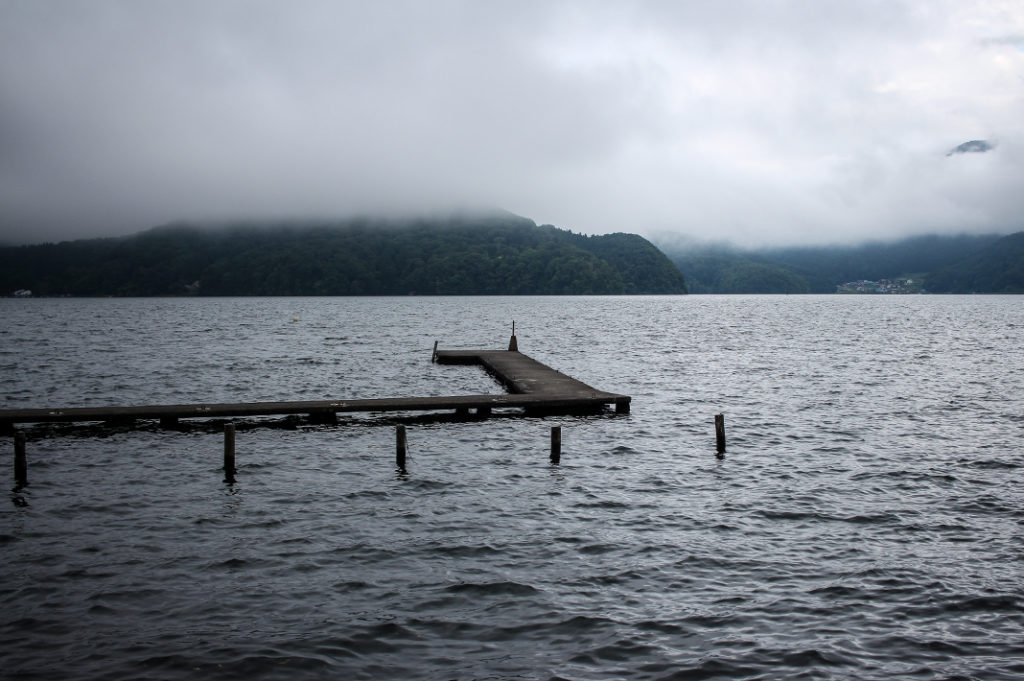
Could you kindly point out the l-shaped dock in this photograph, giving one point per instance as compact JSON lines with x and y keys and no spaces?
{"x":533,"y":388}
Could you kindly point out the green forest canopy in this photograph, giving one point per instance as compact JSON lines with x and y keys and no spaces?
{"x":502,"y":254}
{"x":948,"y":264}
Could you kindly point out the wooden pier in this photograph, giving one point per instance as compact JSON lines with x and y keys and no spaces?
{"x":534,"y":389}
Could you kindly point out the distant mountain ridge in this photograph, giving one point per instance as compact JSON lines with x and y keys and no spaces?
{"x":482,"y":255}
{"x":996,"y":268}
{"x":947,"y":264}
{"x":461,"y":255}
{"x":972,"y":147}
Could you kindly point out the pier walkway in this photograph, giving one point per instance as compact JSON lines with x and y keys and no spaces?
{"x":534,"y":388}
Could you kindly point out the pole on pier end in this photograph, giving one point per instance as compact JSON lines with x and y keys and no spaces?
{"x":513,"y":344}
{"x":433,"y":355}
{"x":20,"y":463}
{"x":229,"y":453}
{"x":720,"y":434}
{"x":556,"y":444}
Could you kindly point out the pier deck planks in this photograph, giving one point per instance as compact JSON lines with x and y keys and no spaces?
{"x":534,"y":388}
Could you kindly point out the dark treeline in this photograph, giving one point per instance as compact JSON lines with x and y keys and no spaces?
{"x":947,"y":264}
{"x":996,"y":268}
{"x":502,"y":254}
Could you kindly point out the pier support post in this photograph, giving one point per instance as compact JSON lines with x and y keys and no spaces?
{"x":622,"y":405}
{"x":229,"y":453}
{"x":720,"y":434}
{"x":556,"y":444}
{"x":324,"y":417}
{"x":400,"y":447}
{"x":20,"y":463}
{"x":483,"y":412}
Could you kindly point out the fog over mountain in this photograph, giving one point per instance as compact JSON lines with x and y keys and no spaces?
{"x":757,"y":123}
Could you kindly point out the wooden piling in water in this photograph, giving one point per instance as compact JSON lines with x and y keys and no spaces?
{"x":229,"y":453}
{"x":323,"y":417}
{"x":20,"y":463}
{"x":400,"y":447}
{"x":556,"y":444}
{"x":720,"y":433}
{"x":433,"y":355}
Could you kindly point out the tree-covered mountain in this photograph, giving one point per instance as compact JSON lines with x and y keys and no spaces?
{"x":494,"y":254}
{"x":825,"y":268}
{"x":997,"y":268}
{"x":722,"y":269}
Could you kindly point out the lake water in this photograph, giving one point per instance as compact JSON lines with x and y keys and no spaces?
{"x":867,"y":521}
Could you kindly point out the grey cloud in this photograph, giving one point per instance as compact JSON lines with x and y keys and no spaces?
{"x":789,"y":122}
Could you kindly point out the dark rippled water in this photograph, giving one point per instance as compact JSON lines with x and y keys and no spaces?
{"x":866,"y":522}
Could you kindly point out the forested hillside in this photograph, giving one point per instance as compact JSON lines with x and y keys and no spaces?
{"x":720,"y":269}
{"x":998,"y":268}
{"x":717,"y":270}
{"x":497,"y":254}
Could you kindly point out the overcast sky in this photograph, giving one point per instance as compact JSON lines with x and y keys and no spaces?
{"x":756,"y":122}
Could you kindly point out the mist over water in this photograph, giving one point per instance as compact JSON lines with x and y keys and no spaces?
{"x":866,"y":521}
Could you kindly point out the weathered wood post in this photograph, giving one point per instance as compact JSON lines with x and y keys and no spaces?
{"x":513,"y":344}
{"x":323,"y":417}
{"x":433,"y":355}
{"x":556,"y":444}
{"x":400,"y":446}
{"x":229,"y":453}
{"x":720,"y":433}
{"x":20,"y":464}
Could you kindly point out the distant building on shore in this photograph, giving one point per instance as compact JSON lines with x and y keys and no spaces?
{"x":882,"y":286}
